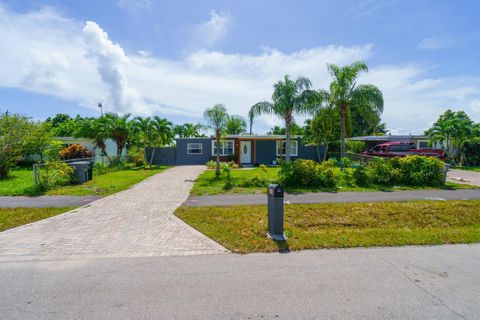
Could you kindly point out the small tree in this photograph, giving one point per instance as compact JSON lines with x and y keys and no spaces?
{"x":39,"y":140}
{"x":14,"y":130}
{"x":95,"y":129}
{"x":323,"y":128}
{"x":118,"y":129}
{"x":235,"y":125}
{"x":217,"y":117}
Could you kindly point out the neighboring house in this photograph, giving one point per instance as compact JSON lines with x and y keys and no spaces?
{"x":421,"y":141}
{"x":246,"y":150}
{"x":111,"y":147}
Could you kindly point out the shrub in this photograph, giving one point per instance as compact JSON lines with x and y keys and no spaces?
{"x":471,"y":152}
{"x":421,"y":171}
{"x":360,"y":176}
{"x":213,"y":164}
{"x":227,"y":172}
{"x":355,"y":146}
{"x":263,"y":168}
{"x":307,"y":173}
{"x":54,"y":174}
{"x":382,"y":172}
{"x":256,"y":181}
{"x":137,"y":157}
{"x":75,"y":151}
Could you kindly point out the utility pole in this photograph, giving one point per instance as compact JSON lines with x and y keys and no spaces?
{"x":100,"y":106}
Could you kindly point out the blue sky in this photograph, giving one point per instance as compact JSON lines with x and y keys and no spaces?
{"x":175,"y":58}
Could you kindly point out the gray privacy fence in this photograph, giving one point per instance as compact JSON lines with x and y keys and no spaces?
{"x":161,"y":155}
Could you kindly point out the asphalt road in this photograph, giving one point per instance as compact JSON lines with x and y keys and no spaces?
{"x":46,"y":201}
{"x":322,"y":197}
{"x":441,"y":282}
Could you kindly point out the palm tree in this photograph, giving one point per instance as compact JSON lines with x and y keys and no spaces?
{"x":217,"y":117}
{"x":119,"y":129}
{"x":344,"y":93}
{"x":235,"y":125}
{"x":95,"y":129}
{"x":188,"y":130}
{"x":288,"y":97}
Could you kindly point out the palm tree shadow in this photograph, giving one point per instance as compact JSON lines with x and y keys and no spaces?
{"x":282,"y":246}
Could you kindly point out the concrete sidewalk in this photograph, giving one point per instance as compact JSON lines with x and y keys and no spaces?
{"x":326,"y":197}
{"x":438,"y":282}
{"x":464,"y":177}
{"x":46,"y":201}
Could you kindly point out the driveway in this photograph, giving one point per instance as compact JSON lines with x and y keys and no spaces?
{"x":464,"y":176}
{"x":137,"y":222}
{"x":439,"y":282}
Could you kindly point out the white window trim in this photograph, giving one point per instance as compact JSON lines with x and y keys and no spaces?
{"x":223,"y":147}
{"x":293,"y":153}
{"x":188,"y":148}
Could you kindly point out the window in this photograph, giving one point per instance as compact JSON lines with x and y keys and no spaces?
{"x":293,"y":148}
{"x":422,"y":144}
{"x":194,"y":148}
{"x":226,"y":148}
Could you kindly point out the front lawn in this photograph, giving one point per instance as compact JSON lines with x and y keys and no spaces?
{"x":21,"y":183}
{"x":338,"y":225}
{"x":108,"y":183}
{"x":14,"y":217}
{"x":208,"y":184}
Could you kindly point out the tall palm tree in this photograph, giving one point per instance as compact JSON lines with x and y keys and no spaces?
{"x":235,"y":125}
{"x":188,"y":130}
{"x":289,"y":97}
{"x":344,"y":93}
{"x":95,"y":129}
{"x":164,"y":131}
{"x":119,"y":128}
{"x":217,"y":117}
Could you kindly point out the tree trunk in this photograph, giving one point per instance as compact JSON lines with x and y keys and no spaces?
{"x":288,"y":127}
{"x":103,"y":148}
{"x":217,"y":170}
{"x":342,"y":130}
{"x":325,"y":152}
{"x":151,"y":157}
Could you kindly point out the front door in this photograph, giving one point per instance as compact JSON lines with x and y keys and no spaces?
{"x":245,"y":152}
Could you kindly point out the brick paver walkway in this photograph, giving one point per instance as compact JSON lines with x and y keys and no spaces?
{"x":137,"y":222}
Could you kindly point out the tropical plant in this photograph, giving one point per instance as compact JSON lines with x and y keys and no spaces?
{"x":277,"y":130}
{"x":289,"y":97}
{"x":235,"y":125}
{"x":75,"y":151}
{"x":322,"y":128}
{"x":118,"y":129}
{"x":14,"y":130}
{"x":53,"y":174}
{"x":95,"y":129}
{"x":188,"y":130}
{"x":343,"y":94}
{"x":217,"y":118}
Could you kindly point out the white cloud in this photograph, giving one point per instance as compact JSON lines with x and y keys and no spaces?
{"x":214,"y":29}
{"x":64,"y":58}
{"x":435,"y":43}
{"x":475,"y":106}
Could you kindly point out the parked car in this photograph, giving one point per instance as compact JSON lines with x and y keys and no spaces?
{"x":402,"y":149}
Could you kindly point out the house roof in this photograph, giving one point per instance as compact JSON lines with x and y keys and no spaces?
{"x":389,"y":137}
{"x":247,"y":137}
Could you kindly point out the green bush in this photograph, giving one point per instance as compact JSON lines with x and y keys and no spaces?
{"x":355,"y":146}
{"x":54,"y":174}
{"x":381,"y":172}
{"x":360,"y":176}
{"x":137,"y":157}
{"x":470,"y":150}
{"x":307,"y":174}
{"x":227,"y":177}
{"x":420,"y":171}
{"x":256,"y":181}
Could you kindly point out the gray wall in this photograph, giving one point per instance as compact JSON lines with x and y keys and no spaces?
{"x":162,"y":156}
{"x":267,"y":151}
{"x":185,"y":159}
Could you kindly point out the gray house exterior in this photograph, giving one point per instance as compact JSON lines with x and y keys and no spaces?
{"x":247,"y":150}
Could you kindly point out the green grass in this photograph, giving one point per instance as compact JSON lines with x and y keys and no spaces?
{"x":208,"y":184}
{"x":337,"y":225}
{"x":20,"y":183}
{"x":108,"y":183}
{"x":14,"y":217}
{"x":473,"y":168}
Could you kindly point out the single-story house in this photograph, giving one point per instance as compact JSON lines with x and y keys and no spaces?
{"x":246,"y":150}
{"x":421,"y":141}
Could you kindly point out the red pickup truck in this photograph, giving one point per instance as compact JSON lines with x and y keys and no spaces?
{"x":402,"y":149}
